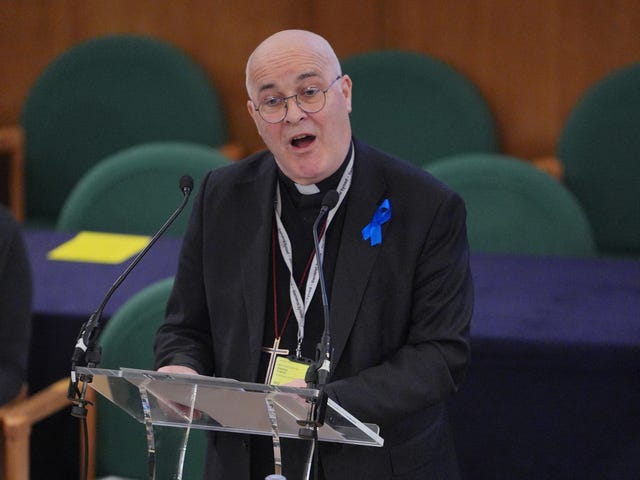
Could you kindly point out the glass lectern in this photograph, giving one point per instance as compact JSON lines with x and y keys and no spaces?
{"x":193,"y":401}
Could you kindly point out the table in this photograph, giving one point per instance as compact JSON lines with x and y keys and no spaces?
{"x":553,"y":390}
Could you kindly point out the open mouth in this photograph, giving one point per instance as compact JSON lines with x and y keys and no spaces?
{"x":302,"y":141}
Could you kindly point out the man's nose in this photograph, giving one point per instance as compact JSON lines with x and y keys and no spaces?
{"x":293,"y":112}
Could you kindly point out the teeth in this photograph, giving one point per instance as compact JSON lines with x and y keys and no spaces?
{"x":299,"y":137}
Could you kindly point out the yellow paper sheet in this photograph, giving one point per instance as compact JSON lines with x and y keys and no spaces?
{"x":99,"y":247}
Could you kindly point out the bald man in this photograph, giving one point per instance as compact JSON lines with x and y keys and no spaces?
{"x":396,"y":260}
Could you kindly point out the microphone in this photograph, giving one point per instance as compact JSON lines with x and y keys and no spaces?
{"x":186,"y":185}
{"x":86,"y":351}
{"x":319,"y":373}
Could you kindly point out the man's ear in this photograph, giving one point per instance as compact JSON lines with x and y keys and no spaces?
{"x":345,"y":88}
{"x":251,"y":109}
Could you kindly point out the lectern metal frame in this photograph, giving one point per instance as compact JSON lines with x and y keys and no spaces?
{"x":213,"y":403}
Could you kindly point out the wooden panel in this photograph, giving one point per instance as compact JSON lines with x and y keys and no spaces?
{"x":11,"y":169}
{"x":531,"y":60}
{"x":352,"y":26}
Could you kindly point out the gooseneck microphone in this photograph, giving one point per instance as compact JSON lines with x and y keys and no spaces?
{"x":86,"y":351}
{"x":318,"y":372}
{"x":323,"y":360}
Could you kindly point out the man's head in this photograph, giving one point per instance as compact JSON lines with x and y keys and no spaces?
{"x":308,"y":147}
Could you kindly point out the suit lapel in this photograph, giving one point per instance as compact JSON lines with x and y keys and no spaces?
{"x":356,"y":256}
{"x":256,"y":196}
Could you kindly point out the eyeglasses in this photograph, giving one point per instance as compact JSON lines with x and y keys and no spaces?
{"x":309,"y":100}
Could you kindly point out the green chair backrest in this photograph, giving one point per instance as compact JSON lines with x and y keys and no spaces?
{"x":104,"y":95}
{"x":127,"y":341}
{"x":512,"y":207}
{"x":135,"y":190}
{"x":417,"y":107}
{"x":599,"y":148}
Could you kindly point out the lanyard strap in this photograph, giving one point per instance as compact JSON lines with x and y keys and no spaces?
{"x":300,"y":305}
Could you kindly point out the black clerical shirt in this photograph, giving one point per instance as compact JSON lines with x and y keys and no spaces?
{"x":298,"y":214}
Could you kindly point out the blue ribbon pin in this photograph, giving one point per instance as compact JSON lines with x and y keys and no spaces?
{"x":373,"y":230}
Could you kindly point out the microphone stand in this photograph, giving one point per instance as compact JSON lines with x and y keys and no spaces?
{"x":87,"y":352}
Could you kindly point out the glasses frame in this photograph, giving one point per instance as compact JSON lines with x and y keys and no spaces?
{"x":285,"y":100}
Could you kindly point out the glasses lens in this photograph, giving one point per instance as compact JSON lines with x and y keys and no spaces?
{"x":311,"y":100}
{"x":272,"y":110}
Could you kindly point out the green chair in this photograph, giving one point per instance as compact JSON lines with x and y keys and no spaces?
{"x":127,"y":341}
{"x":104,"y":95}
{"x":599,"y":147}
{"x":417,"y":107}
{"x":135,"y":190}
{"x":512,"y":207}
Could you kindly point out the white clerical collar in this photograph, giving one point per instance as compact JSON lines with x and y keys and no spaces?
{"x":307,"y":189}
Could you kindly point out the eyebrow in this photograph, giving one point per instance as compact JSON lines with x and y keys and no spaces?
{"x":302,"y":76}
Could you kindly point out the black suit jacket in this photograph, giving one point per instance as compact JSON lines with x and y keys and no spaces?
{"x":400,"y":311}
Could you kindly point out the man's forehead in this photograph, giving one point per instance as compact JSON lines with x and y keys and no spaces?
{"x":273,"y":84}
